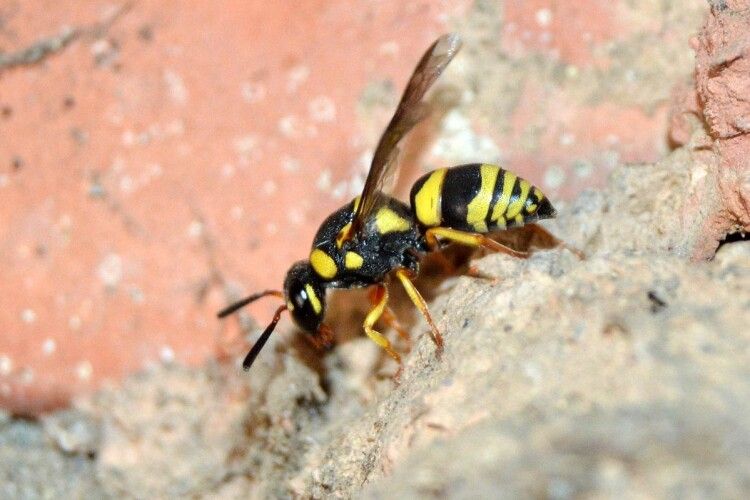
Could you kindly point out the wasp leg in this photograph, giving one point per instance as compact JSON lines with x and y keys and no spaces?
{"x":416,"y":297}
{"x":380,"y":298}
{"x":470,"y":239}
{"x":546,"y":235}
{"x":390,"y":317}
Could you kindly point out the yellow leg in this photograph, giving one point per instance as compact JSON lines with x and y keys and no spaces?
{"x":389,"y":316}
{"x":381,"y":300}
{"x":469,"y":239}
{"x":416,"y":297}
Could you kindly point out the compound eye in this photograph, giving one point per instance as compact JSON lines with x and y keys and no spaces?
{"x":300,"y":299}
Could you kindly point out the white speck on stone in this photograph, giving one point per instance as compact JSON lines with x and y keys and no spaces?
{"x":324,"y":180}
{"x":457,"y":142}
{"x":227,"y":170}
{"x":127,"y":185}
{"x":110,"y":270}
{"x":237,"y":212}
{"x":571,"y":71}
{"x":27,"y":376}
{"x":155,"y":170}
{"x":6,"y":365}
{"x":697,"y":174}
{"x":390,"y":48}
{"x":176,"y":87}
{"x":631,"y":75}
{"x":295,"y":216}
{"x":252,"y":91}
{"x":272,"y":228}
{"x":128,"y":138}
{"x":195,"y":229}
{"x":543,"y":17}
{"x":583,"y":169}
{"x":340,"y":190}
{"x":554,"y":177}
{"x":166,"y":354}
{"x":136,"y":295}
{"x":612,"y":139}
{"x":356,"y":184}
{"x":566,"y":139}
{"x":74,"y":322}
{"x":290,"y":126}
{"x":175,"y":127}
{"x":290,"y":164}
{"x":297,"y":76}
{"x":28,"y":316}
{"x":49,"y":346}
{"x":269,"y":187}
{"x":322,"y":109}
{"x":3,"y":180}
{"x":245,"y":146}
{"x":84,"y":370}
{"x":363,"y":162}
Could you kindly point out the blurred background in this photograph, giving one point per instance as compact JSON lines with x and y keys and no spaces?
{"x":160,"y":159}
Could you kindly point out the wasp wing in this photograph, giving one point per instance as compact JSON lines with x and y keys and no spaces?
{"x":411,"y":110}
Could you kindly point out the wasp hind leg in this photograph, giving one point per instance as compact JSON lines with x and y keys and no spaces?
{"x":544,"y":235}
{"x":405,"y":277}
{"x":469,"y":239}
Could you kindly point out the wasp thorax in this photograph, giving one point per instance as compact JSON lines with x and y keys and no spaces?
{"x":305,"y":297}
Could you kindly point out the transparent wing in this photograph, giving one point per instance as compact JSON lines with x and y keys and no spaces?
{"x":411,"y":110}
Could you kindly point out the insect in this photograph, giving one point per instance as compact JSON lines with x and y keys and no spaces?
{"x":376,"y":236}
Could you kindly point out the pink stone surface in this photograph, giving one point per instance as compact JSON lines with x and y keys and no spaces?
{"x":149,"y":169}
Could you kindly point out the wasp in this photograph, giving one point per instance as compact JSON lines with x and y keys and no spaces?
{"x":376,"y":236}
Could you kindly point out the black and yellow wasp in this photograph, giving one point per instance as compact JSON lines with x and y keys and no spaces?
{"x":376,"y":236}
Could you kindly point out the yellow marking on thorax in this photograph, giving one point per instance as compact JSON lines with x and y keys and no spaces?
{"x":538,"y":193}
{"x":388,"y":221}
{"x":323,"y":264}
{"x":498,"y":212}
{"x":314,"y":300}
{"x":353,"y":260}
{"x":427,"y":200}
{"x":342,"y":235}
{"x":478,"y":208}
{"x":515,"y":207}
{"x":344,"y":232}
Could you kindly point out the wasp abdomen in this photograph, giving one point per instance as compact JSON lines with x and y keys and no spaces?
{"x":477,"y":197}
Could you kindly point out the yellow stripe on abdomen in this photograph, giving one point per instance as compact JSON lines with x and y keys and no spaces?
{"x":427,"y":200}
{"x":515,"y":207}
{"x":479,"y":207}
{"x":498,"y":211}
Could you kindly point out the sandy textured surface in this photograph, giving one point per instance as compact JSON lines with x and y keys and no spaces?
{"x":622,"y":375}
{"x":625,"y":373}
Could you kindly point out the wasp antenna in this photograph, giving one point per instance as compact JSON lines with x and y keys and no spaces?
{"x":252,"y":298}
{"x":255,"y":350}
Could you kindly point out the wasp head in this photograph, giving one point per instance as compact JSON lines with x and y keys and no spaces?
{"x":305,"y":296}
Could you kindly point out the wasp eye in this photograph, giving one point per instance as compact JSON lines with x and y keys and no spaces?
{"x":300,"y":298}
{"x":306,"y":295}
